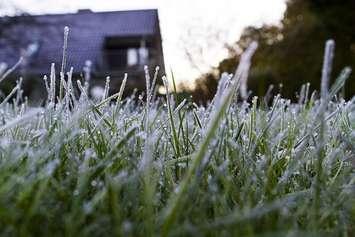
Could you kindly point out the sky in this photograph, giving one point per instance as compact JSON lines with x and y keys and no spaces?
{"x":194,"y":32}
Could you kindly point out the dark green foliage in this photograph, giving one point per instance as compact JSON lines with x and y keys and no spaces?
{"x":292,"y":54}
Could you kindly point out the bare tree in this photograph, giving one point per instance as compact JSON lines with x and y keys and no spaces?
{"x":201,"y":42}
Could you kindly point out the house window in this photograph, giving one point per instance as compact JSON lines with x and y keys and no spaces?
{"x":137,"y":56}
{"x":125,"y":52}
{"x":132,"y":57}
{"x":143,"y":54}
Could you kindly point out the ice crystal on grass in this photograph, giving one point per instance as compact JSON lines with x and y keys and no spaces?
{"x":110,"y":165}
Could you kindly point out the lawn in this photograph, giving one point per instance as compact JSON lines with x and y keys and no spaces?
{"x":160,"y":166}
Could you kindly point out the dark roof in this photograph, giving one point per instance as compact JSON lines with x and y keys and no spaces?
{"x":86,"y":37}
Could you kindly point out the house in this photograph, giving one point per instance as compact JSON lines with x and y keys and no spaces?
{"x":114,"y":42}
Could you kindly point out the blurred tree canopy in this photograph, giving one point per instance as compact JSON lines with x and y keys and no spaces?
{"x":291,"y":53}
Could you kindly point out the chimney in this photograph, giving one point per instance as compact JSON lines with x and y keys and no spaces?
{"x":84,"y":11}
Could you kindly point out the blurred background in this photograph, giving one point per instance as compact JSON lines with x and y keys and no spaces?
{"x":201,"y":39}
